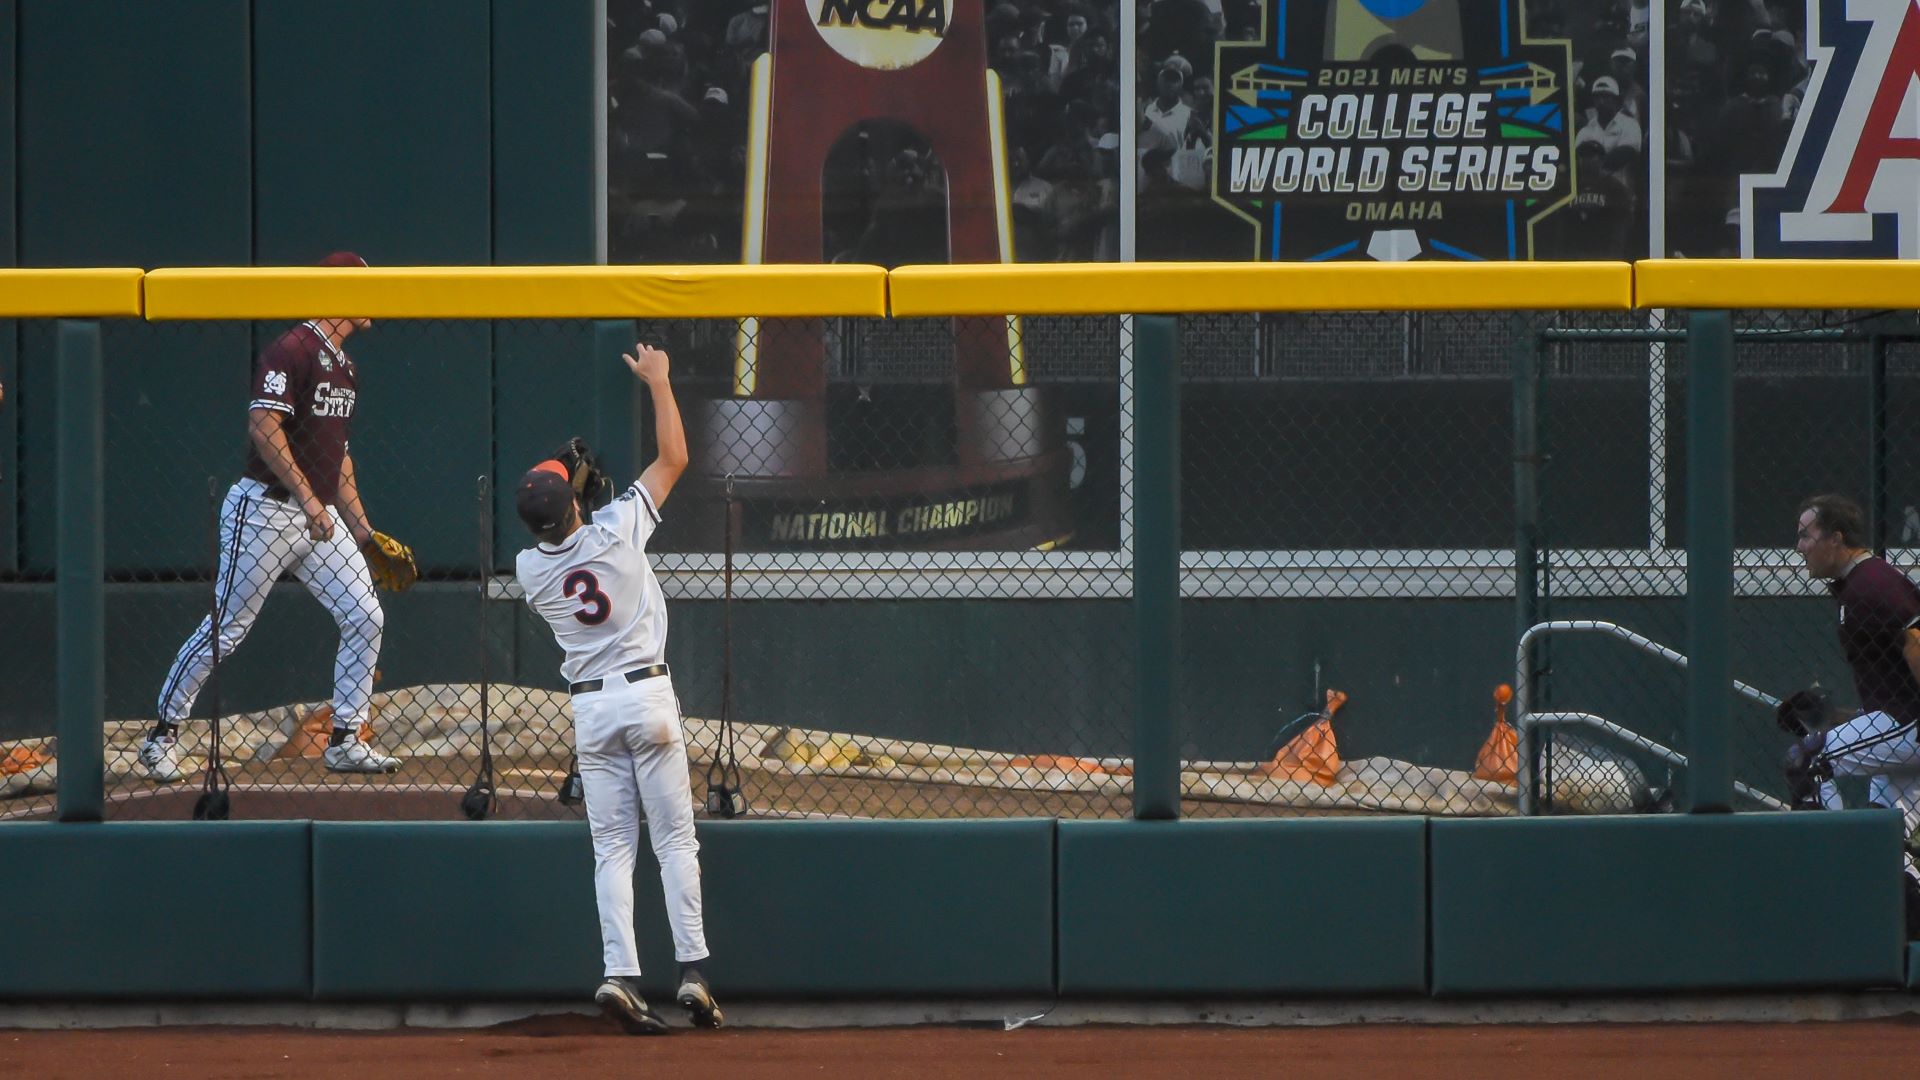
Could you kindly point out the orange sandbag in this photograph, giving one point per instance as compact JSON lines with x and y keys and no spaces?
{"x":311,"y":739}
{"x":20,"y":759}
{"x":315,"y":730}
{"x":1068,"y":764}
{"x":1313,"y":756}
{"x":1499,"y":757}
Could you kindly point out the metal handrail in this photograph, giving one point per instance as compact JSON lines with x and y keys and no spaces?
{"x":1524,"y":722}
{"x":1634,"y":739}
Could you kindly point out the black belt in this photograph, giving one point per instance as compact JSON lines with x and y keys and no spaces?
{"x":635,"y":675}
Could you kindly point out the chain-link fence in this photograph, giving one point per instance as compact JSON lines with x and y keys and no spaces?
{"x":898,"y":571}
{"x":1348,"y":525}
{"x":1376,"y":506}
{"x":1814,"y":393}
{"x":894,"y":570}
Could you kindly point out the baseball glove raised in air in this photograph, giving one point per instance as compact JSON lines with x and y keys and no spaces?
{"x":390,"y":562}
{"x":1804,"y":712}
{"x":591,"y":486}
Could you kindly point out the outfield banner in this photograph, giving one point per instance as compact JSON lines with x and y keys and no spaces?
{"x":1393,"y":130}
{"x":1444,"y":129}
{"x":1269,"y":129}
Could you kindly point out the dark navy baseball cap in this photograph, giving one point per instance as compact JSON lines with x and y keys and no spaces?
{"x":543,"y":497}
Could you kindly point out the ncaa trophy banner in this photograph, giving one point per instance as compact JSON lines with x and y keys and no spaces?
{"x":980,"y":462}
{"x":1393,"y":130}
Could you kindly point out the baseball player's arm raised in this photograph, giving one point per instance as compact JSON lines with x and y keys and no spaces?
{"x":347,"y":500}
{"x":265,"y":428}
{"x":650,"y":364}
{"x":1910,"y":650}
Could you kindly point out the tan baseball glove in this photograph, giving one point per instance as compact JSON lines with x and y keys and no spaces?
{"x":390,"y":562}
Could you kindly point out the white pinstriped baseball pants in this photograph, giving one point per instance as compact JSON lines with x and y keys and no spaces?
{"x":260,"y":540}
{"x":1876,"y":745}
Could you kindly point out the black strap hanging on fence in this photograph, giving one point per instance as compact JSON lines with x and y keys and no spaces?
{"x":725,"y":799}
{"x":481,"y":801}
{"x":213,"y":803}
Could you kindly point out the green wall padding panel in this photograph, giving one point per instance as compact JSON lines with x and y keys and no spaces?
{"x":453,"y":910}
{"x":506,"y":910}
{"x":134,"y":133}
{"x":1913,"y":965}
{"x":541,"y":392}
{"x":422,"y":435}
{"x":175,"y":396}
{"x":431,"y":636}
{"x":155,"y":911}
{"x":27,"y":665}
{"x":9,"y":331}
{"x":875,"y":908}
{"x":1206,"y":908}
{"x":9,"y":129}
{"x":128,"y":156}
{"x":1631,"y":904}
{"x":32,"y":399}
{"x":11,"y":524}
{"x":544,"y":96}
{"x":371,"y":133}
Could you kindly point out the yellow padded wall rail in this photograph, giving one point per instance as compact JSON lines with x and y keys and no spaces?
{"x":1157,"y":288}
{"x":1777,"y":283}
{"x":516,"y":292}
{"x":93,"y":293}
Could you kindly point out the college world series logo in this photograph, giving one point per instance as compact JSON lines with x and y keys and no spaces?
{"x":1849,"y":182}
{"x":1393,"y":129}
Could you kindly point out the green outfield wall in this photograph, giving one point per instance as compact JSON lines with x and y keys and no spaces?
{"x":395,"y":911}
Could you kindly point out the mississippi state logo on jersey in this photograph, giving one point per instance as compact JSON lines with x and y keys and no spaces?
{"x":1848,"y":185}
{"x":333,"y":401}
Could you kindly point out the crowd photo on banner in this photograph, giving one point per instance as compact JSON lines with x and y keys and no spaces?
{"x":1737,"y":74}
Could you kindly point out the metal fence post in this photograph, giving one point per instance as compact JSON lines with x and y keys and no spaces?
{"x":79,"y":590}
{"x":1526,"y":515}
{"x":1526,"y":485}
{"x":1709,"y":560}
{"x":1156,"y":566}
{"x":1877,"y":445}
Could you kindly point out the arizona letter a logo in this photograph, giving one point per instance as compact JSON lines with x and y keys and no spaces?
{"x":1849,"y":184}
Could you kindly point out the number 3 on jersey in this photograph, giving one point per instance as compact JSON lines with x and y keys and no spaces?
{"x":594,"y":604}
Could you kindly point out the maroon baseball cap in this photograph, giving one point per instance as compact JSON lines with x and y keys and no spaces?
{"x":342,"y":258}
{"x":543,"y":496}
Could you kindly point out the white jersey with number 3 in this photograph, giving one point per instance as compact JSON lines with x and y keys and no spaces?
{"x":597,"y":591}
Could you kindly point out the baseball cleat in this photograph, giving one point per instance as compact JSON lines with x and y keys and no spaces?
{"x":694,"y":997}
{"x":160,"y":755}
{"x":354,"y":756}
{"x":620,"y":1000}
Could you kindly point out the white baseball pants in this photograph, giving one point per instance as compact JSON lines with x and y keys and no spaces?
{"x":1877,"y":746}
{"x":634,"y":758}
{"x":261,"y":539}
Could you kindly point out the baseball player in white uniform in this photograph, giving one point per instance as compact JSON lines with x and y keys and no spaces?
{"x":592,"y":583}
{"x":296,"y":509}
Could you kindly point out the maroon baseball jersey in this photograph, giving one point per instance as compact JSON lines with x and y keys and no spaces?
{"x":311,"y":383}
{"x":1877,"y":603}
